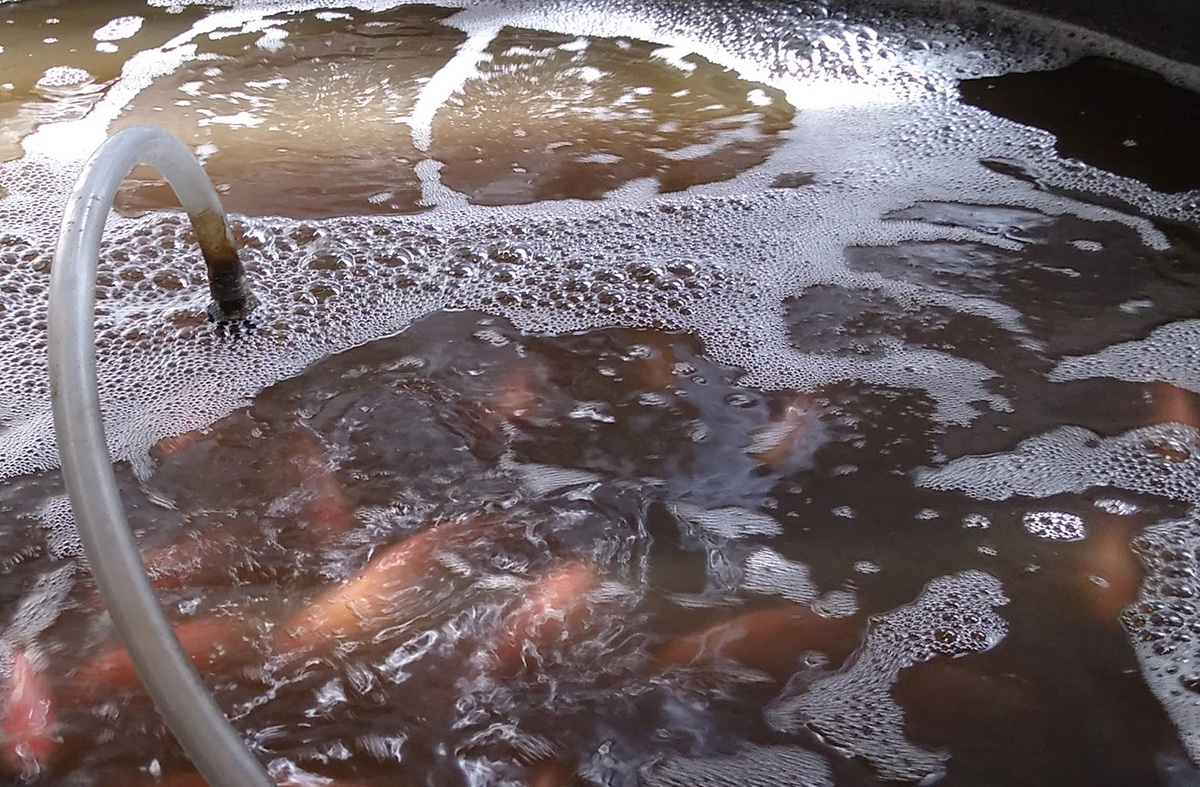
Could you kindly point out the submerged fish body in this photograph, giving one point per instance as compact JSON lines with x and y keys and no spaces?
{"x":554,"y":606}
{"x":27,"y":726}
{"x":771,"y":640}
{"x":773,"y":443}
{"x":213,"y":644}
{"x":377,"y":595}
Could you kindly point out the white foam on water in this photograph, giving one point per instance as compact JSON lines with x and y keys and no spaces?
{"x":1163,"y":622}
{"x":838,"y":603}
{"x":1163,"y":459}
{"x":119,"y":29}
{"x":853,"y":709}
{"x":1054,"y":525}
{"x":1171,"y":354}
{"x":63,"y":76}
{"x":448,"y":81}
{"x":58,"y":521}
{"x":728,"y":523}
{"x":770,"y":573}
{"x":758,"y":766}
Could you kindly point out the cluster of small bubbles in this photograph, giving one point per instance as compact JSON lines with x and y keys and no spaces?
{"x":63,"y":76}
{"x":731,"y":523}
{"x":840,"y":603}
{"x":768,"y":572}
{"x":118,"y":29}
{"x":1163,"y":460}
{"x":854,"y":710}
{"x":59,"y":523}
{"x":867,"y":567}
{"x":42,"y":604}
{"x":976,"y":522}
{"x":1164,"y":623}
{"x":758,"y":766}
{"x":1170,"y":354}
{"x":1116,"y":506}
{"x":1054,"y":525}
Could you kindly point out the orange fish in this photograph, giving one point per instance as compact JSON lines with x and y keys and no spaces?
{"x":1110,"y":572}
{"x":328,"y":511}
{"x":169,"y":446}
{"x":376,"y":595}
{"x":550,"y":773}
{"x":1172,"y":403}
{"x":773,"y":442}
{"x":657,"y":369}
{"x":28,"y":740}
{"x":959,"y":702}
{"x":769,"y":640}
{"x":213,"y":644}
{"x":205,"y":558}
{"x":197,"y":559}
{"x":516,"y":396}
{"x":553,"y":606}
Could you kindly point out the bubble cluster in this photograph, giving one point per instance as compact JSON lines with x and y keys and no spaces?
{"x":1164,"y":623}
{"x":728,"y":523}
{"x":768,"y":572}
{"x":119,"y":28}
{"x":760,"y":766}
{"x":62,"y":76}
{"x":839,"y":603}
{"x":1054,"y":525}
{"x":1169,"y":354}
{"x":1163,"y":459}
{"x":976,"y":522}
{"x":853,"y":710}
{"x":58,"y":521}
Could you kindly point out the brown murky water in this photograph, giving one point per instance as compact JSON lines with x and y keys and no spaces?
{"x":507,"y":483}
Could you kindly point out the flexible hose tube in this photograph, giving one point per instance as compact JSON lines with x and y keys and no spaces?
{"x":189,"y":710}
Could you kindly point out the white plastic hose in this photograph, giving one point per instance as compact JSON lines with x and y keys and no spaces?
{"x":211,"y":742}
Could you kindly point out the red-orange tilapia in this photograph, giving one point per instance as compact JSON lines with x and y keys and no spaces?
{"x":769,"y":640}
{"x":554,"y":605}
{"x":27,"y":725}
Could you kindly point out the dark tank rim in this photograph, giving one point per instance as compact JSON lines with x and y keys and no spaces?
{"x":1170,"y":28}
